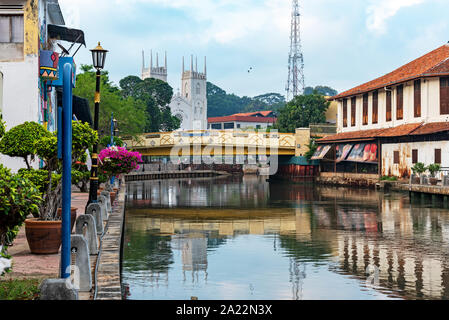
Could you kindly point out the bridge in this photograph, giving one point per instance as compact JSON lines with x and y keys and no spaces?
{"x":213,"y":143}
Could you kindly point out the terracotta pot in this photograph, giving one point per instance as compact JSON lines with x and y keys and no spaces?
{"x":44,"y":237}
{"x":433,"y":181}
{"x":112,"y":194}
{"x":72,"y":216}
{"x":115,"y":190}
{"x":416,"y":180}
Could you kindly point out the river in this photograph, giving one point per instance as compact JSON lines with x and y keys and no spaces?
{"x":245,"y":238}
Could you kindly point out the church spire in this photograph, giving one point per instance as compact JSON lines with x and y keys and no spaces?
{"x":191,"y":63}
{"x":183,"y":69}
{"x":205,"y":66}
{"x":165,"y":60}
{"x":157,"y":59}
{"x":196,"y":64}
{"x":151,"y":59}
{"x":143,"y":60}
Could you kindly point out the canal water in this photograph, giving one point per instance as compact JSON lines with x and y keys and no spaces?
{"x":245,"y":238}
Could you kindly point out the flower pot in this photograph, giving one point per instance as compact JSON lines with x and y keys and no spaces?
{"x":112,"y":194}
{"x":433,"y":181}
{"x":44,"y":237}
{"x":72,"y":216}
{"x":416,"y":180}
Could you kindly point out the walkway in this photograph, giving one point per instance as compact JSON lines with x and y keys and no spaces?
{"x":27,"y":265}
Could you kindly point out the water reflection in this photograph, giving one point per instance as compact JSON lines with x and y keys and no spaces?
{"x":280,"y":241}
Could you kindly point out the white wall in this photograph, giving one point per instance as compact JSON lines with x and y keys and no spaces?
{"x":426,"y":155}
{"x":430,"y":107}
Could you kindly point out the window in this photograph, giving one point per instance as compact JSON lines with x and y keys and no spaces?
{"x":399,"y":102}
{"x":438,"y":156}
{"x":414,"y":156}
{"x":417,"y":98}
{"x":198,"y":88}
{"x":258,"y":126}
{"x":396,"y":157}
{"x":229,"y":125}
{"x":345,"y":113}
{"x":375,"y":106}
{"x":388,"y":106}
{"x":216,"y":126}
{"x":444,"y":95}
{"x":238,"y":125}
{"x":365,"y":109}
{"x":11,"y":28}
{"x":353,"y":110}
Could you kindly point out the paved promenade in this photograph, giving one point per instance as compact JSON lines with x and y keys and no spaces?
{"x":27,"y":265}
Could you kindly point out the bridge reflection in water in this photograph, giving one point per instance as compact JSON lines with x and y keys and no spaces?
{"x":341,"y":230}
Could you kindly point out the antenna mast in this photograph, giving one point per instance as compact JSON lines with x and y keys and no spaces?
{"x":295,"y":82}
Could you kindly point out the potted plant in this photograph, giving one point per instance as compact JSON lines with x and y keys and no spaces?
{"x":117,"y":160}
{"x":418,"y":169}
{"x":18,"y":198}
{"x":31,"y":140}
{"x":433,"y":169}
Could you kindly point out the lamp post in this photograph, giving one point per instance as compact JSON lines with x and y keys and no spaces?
{"x":98,"y":58}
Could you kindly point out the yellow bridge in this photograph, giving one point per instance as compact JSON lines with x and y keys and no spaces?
{"x":212,"y":142}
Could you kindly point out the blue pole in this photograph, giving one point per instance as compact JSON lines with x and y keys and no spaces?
{"x":66,"y":170}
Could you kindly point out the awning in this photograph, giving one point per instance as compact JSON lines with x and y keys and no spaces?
{"x":80,"y":107}
{"x":66,"y":34}
{"x":321,"y":152}
{"x":363,"y":152}
{"x":342,"y":151}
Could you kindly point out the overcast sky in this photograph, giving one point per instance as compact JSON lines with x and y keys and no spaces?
{"x":345,"y":42}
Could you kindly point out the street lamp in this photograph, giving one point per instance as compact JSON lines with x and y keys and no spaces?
{"x":98,"y":58}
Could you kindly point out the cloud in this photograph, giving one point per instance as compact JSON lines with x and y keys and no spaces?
{"x":380,"y":11}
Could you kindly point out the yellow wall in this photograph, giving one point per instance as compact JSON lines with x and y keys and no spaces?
{"x":31,"y":20}
{"x":302,"y":137}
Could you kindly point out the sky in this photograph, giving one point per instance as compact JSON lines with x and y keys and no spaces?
{"x":345,"y":42}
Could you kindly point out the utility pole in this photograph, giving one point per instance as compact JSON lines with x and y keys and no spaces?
{"x":295,"y":82}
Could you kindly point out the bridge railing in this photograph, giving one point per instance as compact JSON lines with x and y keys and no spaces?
{"x":213,"y":138}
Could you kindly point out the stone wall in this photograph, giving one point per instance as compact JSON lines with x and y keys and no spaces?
{"x":348,"y":179}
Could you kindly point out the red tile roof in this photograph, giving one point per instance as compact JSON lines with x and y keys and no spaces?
{"x":413,"y":129}
{"x":430,"y":128}
{"x":252,"y":114}
{"x":434,"y":63}
{"x":241,"y":119}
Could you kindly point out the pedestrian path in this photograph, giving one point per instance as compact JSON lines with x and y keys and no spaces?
{"x":27,"y":265}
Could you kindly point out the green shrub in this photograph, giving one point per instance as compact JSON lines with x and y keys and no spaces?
{"x":433,"y":169}
{"x":21,"y":140}
{"x":389,"y":178}
{"x":105,"y":141}
{"x":26,"y":289}
{"x":2,"y":127}
{"x":18,"y":198}
{"x":419,"y":168}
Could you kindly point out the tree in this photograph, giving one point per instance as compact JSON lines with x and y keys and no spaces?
{"x":20,"y":141}
{"x":129,"y":111}
{"x":301,"y":112}
{"x":156,"y":95}
{"x":324,"y":90}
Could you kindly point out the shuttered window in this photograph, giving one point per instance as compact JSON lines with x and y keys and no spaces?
{"x":345,"y":113}
{"x":353,"y":111}
{"x":414,"y":156}
{"x":396,"y":157}
{"x":11,"y":28}
{"x":388,"y":106}
{"x":365,"y":109}
{"x":417,"y":98}
{"x":438,"y":156}
{"x":399,"y":102}
{"x":375,"y":106}
{"x":444,"y":95}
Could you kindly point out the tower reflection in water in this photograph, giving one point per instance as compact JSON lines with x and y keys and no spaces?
{"x":346,"y":230}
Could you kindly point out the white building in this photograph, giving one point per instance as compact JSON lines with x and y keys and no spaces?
{"x":189,"y":105}
{"x":388,"y":124}
{"x":23,"y":33}
{"x":250,"y":120}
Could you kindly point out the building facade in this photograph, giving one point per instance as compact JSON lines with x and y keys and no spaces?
{"x":387,"y":125}
{"x":190,"y":104}
{"x":251,"y":120}
{"x":23,"y":36}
